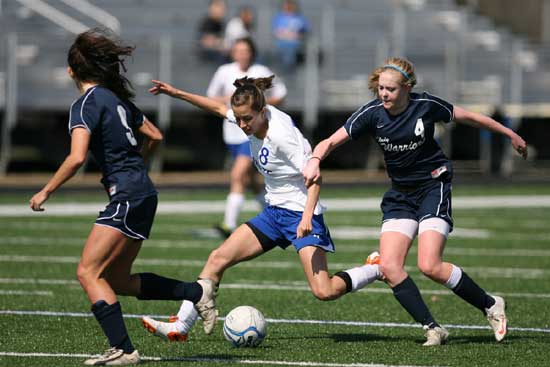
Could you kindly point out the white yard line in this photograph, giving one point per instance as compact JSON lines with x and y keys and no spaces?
{"x":226,"y":361}
{"x":8,"y":292}
{"x":276,"y":286}
{"x":485,"y":272}
{"x":283,"y":321}
{"x":218,"y":206}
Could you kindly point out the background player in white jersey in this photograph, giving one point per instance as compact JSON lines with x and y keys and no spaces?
{"x":293,"y":215}
{"x":419,"y":201}
{"x":220,"y":89}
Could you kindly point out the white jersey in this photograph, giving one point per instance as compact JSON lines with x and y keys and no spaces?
{"x":222,"y":85}
{"x":280,"y":158}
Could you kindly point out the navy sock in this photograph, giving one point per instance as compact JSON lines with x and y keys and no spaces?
{"x":110,"y":320}
{"x":472,"y":293}
{"x":409,"y":297}
{"x":156,"y":287}
{"x":346,"y":278}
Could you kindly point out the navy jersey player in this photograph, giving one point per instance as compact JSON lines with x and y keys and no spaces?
{"x":293,"y":215}
{"x":419,"y":201}
{"x":105,"y":121}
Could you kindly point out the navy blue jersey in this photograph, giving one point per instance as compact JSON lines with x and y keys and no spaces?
{"x":111,"y":123}
{"x":407,"y":140}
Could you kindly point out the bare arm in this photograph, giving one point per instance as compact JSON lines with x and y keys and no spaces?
{"x":80,"y":140}
{"x":478,"y":120}
{"x":153,"y":137}
{"x":305,"y":226}
{"x":311,"y":171}
{"x":274,"y":101}
{"x":205,"y":103}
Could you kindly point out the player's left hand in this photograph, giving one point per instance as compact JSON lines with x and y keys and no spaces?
{"x":520,"y":145}
{"x":304,"y":228}
{"x":37,"y":200}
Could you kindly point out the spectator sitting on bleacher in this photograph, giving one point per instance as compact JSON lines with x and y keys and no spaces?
{"x":238,"y":27}
{"x":210,"y":32}
{"x":289,"y":27}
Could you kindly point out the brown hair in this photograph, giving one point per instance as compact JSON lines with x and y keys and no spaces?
{"x":402,"y":66}
{"x":250,"y":90}
{"x":97,"y":56}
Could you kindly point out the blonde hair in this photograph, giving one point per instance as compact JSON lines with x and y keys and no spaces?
{"x":251,"y":90}
{"x":404,"y":67}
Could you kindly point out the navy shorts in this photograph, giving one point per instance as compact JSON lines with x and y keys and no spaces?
{"x":430,"y":200}
{"x":240,"y":149}
{"x":134,"y":218}
{"x":276,"y":226}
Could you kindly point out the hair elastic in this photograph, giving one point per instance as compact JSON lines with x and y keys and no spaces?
{"x":395,"y":67}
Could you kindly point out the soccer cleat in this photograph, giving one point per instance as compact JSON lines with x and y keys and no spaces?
{"x":207,"y":305}
{"x":373,"y":259}
{"x":114,"y":357}
{"x":435,"y":336}
{"x":497,"y":318}
{"x":223,"y":230}
{"x":165,"y":330}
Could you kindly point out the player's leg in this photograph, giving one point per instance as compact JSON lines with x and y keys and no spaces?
{"x":431,"y":242}
{"x":325,"y":287}
{"x":103,"y":246}
{"x":242,"y":245}
{"x":395,"y":241}
{"x":240,"y":178}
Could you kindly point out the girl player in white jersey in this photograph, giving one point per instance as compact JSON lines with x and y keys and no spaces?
{"x":220,"y":89}
{"x":293,"y":215}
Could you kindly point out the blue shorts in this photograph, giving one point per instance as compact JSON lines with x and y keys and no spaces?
{"x":240,"y":149}
{"x":429,"y":200}
{"x":276,"y":226}
{"x":134,"y":218}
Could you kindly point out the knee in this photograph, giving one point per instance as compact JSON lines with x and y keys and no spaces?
{"x":429,"y":268}
{"x":85,"y":275}
{"x":323,"y":293}
{"x":218,"y":259}
{"x":391,"y":270}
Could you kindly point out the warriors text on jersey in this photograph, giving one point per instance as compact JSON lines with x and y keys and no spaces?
{"x":280,"y":158}
{"x":410,"y":151}
{"x":111,"y":123}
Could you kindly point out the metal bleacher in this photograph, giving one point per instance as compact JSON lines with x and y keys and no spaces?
{"x":450,"y":47}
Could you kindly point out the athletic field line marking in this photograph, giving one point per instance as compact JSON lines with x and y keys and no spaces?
{"x":218,"y":206}
{"x":486,"y":272}
{"x":213,"y":360}
{"x":8,"y":292}
{"x":210,"y":245}
{"x":282,"y":321}
{"x":298,"y":286}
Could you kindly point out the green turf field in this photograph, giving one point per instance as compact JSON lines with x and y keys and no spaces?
{"x":506,"y":250}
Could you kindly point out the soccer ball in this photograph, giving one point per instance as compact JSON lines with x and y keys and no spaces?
{"x":244,"y":326}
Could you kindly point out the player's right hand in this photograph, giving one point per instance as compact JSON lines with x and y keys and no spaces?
{"x":37,"y":200}
{"x":311,"y":172}
{"x":162,"y":87}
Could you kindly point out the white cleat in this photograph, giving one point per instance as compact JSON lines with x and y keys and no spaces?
{"x":497,"y":318}
{"x":114,"y":357}
{"x":435,"y":336}
{"x":165,"y":330}
{"x":207,"y":305}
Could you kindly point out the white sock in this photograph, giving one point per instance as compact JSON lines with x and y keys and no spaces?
{"x":233,"y":206}
{"x":187,"y":315}
{"x":363,"y":275}
{"x":454,"y":278}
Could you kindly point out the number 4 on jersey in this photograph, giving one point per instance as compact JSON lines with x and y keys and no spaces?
{"x":419,"y":128}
